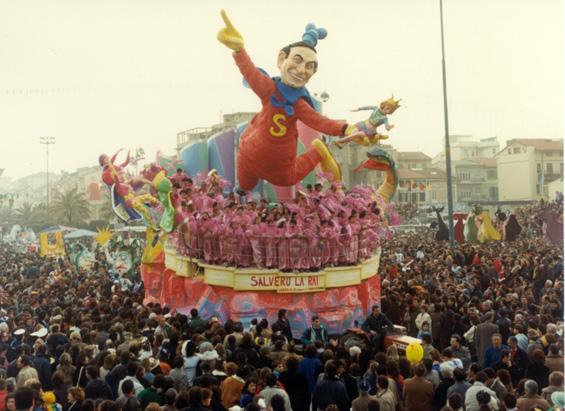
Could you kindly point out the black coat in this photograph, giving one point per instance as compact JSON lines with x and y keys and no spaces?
{"x":330,"y":391}
{"x":440,"y":396}
{"x":96,"y":389}
{"x":377,"y":324}
{"x":41,"y":364}
{"x":296,"y":387}
{"x":284,"y":326}
{"x":539,"y":373}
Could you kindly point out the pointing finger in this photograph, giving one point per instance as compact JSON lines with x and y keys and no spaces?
{"x":227,"y":20}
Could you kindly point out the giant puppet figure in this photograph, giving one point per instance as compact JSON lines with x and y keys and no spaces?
{"x":268,"y":146}
{"x":122,"y":192}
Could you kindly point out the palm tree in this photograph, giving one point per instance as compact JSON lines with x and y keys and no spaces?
{"x":31,"y":215}
{"x":70,"y":207}
{"x":25,"y":214}
{"x":7,"y":215}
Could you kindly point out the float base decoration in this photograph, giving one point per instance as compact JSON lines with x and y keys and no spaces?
{"x":339,"y":295}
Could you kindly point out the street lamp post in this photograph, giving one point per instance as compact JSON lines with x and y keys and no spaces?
{"x":47,"y":141}
{"x":447,"y":145}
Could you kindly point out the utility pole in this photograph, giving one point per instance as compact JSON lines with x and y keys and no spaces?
{"x":47,"y":141}
{"x":447,"y":145}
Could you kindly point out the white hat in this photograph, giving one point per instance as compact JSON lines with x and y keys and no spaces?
{"x":42,"y":332}
{"x":20,"y":331}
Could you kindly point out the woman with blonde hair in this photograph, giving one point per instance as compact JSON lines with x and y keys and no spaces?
{"x":66,"y":368}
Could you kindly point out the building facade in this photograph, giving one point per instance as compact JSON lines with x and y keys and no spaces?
{"x":526,"y":165}
{"x":466,"y":147}
{"x":475,"y":180}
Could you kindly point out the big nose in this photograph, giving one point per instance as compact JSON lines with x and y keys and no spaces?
{"x":301,"y":68}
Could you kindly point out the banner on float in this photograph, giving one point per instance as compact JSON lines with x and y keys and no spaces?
{"x":255,"y":279}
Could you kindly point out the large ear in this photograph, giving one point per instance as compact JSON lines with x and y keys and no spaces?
{"x":281,"y":58}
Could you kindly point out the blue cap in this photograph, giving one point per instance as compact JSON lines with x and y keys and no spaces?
{"x":313,"y":34}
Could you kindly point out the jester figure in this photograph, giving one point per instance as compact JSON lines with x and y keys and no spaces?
{"x":268,"y":147}
{"x":121,"y":187}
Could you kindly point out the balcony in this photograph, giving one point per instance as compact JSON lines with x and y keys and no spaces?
{"x":470,"y":180}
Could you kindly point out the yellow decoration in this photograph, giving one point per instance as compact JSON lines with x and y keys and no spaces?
{"x":487,"y":232}
{"x":151,"y":251}
{"x":328,"y":163}
{"x":414,"y":352}
{"x":104,"y":235}
{"x":51,"y":244}
{"x":229,"y":36}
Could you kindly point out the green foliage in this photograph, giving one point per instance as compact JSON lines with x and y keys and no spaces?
{"x":31,"y":215}
{"x":70,"y":208}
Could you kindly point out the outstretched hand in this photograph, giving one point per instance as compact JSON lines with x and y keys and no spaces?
{"x":229,"y":34}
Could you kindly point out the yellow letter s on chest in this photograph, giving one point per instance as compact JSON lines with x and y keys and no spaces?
{"x":280,"y":130}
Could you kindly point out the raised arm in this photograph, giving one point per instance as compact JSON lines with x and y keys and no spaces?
{"x":262,"y":85}
{"x":366,"y":108}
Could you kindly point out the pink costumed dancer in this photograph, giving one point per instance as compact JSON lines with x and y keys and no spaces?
{"x":207,"y":233}
{"x":314,"y":258}
{"x":244,"y":255}
{"x":256,"y":233}
{"x":296,"y":247}
{"x":283,"y":249}
{"x":228,"y":244}
{"x":271,"y":245}
{"x":194,"y":250}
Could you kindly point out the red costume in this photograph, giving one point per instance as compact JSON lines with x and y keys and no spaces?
{"x":268,"y":146}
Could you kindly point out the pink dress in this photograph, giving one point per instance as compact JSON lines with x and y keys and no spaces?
{"x":314,"y":258}
{"x":355,"y":230}
{"x":271,"y":237}
{"x":255,"y":233}
{"x":283,"y":249}
{"x":194,"y":250}
{"x":296,"y":247}
{"x":208,"y":234}
{"x":244,"y":255}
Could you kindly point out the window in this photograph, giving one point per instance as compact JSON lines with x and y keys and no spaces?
{"x":516,"y":150}
{"x":493,"y":193}
{"x":549,"y":168}
{"x":549,"y":154}
{"x":491,"y":174}
{"x":538,"y":168}
{"x":422,"y":197}
{"x":509,"y":151}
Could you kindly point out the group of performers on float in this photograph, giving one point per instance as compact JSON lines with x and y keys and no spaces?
{"x":320,"y":228}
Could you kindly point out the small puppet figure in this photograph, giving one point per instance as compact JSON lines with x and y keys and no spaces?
{"x":369,"y":127}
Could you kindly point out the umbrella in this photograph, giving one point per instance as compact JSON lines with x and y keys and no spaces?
{"x":80,"y":233}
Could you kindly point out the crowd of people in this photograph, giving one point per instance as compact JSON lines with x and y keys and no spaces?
{"x":320,"y":228}
{"x":490,"y":318}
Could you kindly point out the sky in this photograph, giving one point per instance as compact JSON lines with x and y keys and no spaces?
{"x":102,"y":75}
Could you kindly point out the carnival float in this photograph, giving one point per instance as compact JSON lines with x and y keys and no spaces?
{"x":256,"y":218}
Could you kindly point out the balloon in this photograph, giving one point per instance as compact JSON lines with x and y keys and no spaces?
{"x":414,"y":352}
